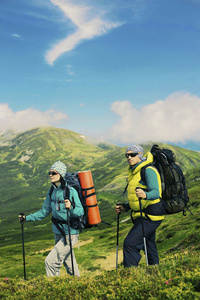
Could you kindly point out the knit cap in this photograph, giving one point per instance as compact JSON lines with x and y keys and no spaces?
{"x":60,"y":168}
{"x":136,"y":149}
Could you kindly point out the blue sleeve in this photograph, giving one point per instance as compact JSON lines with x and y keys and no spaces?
{"x":152,"y":184}
{"x":43,"y":212}
{"x":77,"y":211}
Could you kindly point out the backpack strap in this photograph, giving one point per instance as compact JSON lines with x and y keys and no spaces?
{"x":51,"y":191}
{"x":86,"y":193}
{"x":66,"y":195}
{"x":59,"y":225}
{"x":142,"y":174}
{"x":143,"y":170}
{"x":126,"y":187}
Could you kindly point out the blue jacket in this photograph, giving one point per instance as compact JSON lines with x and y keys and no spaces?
{"x":53,"y":204}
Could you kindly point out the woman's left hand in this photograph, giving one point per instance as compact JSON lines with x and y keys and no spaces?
{"x":67,"y":203}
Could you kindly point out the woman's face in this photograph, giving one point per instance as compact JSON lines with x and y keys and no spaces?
{"x":54,"y":177}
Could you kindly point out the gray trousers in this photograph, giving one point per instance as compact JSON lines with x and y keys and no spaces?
{"x":61,"y":254}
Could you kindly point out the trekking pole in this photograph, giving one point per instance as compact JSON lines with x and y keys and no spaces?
{"x":70,"y":241}
{"x":143,"y":233}
{"x":117,"y":239}
{"x":22,"y":223}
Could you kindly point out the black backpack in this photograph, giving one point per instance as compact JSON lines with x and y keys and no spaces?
{"x":174,"y":191}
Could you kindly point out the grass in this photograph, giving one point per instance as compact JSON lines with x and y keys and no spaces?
{"x":177,"y":277}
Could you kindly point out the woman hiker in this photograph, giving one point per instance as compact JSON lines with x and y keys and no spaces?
{"x":148,"y":189}
{"x":56,"y":204}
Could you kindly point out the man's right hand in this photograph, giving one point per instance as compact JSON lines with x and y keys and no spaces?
{"x":119,"y":209}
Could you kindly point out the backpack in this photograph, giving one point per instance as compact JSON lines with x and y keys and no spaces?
{"x":174,"y":191}
{"x":79,"y":222}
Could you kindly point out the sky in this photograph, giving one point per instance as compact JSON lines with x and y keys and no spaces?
{"x":125,"y":71}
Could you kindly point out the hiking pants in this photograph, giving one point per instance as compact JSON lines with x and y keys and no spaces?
{"x":61,"y":254}
{"x":134,"y":243}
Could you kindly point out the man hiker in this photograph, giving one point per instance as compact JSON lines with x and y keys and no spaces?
{"x":147,"y":217}
{"x":65,"y":237}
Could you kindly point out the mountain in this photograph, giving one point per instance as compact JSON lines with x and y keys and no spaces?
{"x":25,"y":159}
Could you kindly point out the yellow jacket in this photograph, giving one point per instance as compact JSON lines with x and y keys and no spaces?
{"x":152,"y":208}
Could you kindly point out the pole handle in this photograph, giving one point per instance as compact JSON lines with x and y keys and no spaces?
{"x":22,"y":219}
{"x":118,"y":205}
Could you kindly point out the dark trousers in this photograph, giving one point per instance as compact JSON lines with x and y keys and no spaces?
{"x":134,"y":243}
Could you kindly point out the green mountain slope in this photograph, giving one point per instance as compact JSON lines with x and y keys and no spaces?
{"x":25,"y":159}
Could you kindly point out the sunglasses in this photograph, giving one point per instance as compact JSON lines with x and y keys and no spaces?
{"x":53,"y":173}
{"x":131,"y":154}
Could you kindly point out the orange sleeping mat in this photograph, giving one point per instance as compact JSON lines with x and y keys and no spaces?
{"x":88,"y":191}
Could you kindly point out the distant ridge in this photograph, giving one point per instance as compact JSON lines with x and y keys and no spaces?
{"x":27,"y":156}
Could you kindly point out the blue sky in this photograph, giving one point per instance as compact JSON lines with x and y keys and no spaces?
{"x":124,"y":71}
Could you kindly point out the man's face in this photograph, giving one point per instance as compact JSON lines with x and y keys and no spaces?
{"x":132,"y":158}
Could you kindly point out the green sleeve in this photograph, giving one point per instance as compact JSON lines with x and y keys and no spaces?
{"x":152,"y":184}
{"x":43,"y":212}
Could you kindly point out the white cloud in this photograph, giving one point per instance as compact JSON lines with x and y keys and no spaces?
{"x":89,"y":25}
{"x":175,"y":119}
{"x":15,"y":35}
{"x":28,"y":118}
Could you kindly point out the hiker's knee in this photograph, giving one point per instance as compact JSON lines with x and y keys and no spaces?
{"x":128,"y":245}
{"x":47,"y":261}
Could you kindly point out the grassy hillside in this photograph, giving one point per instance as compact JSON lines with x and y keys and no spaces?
{"x":27,"y":157}
{"x":25,"y":161}
{"x":176,"y":278}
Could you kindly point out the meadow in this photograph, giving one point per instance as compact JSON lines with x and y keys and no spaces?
{"x":177,"y":276}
